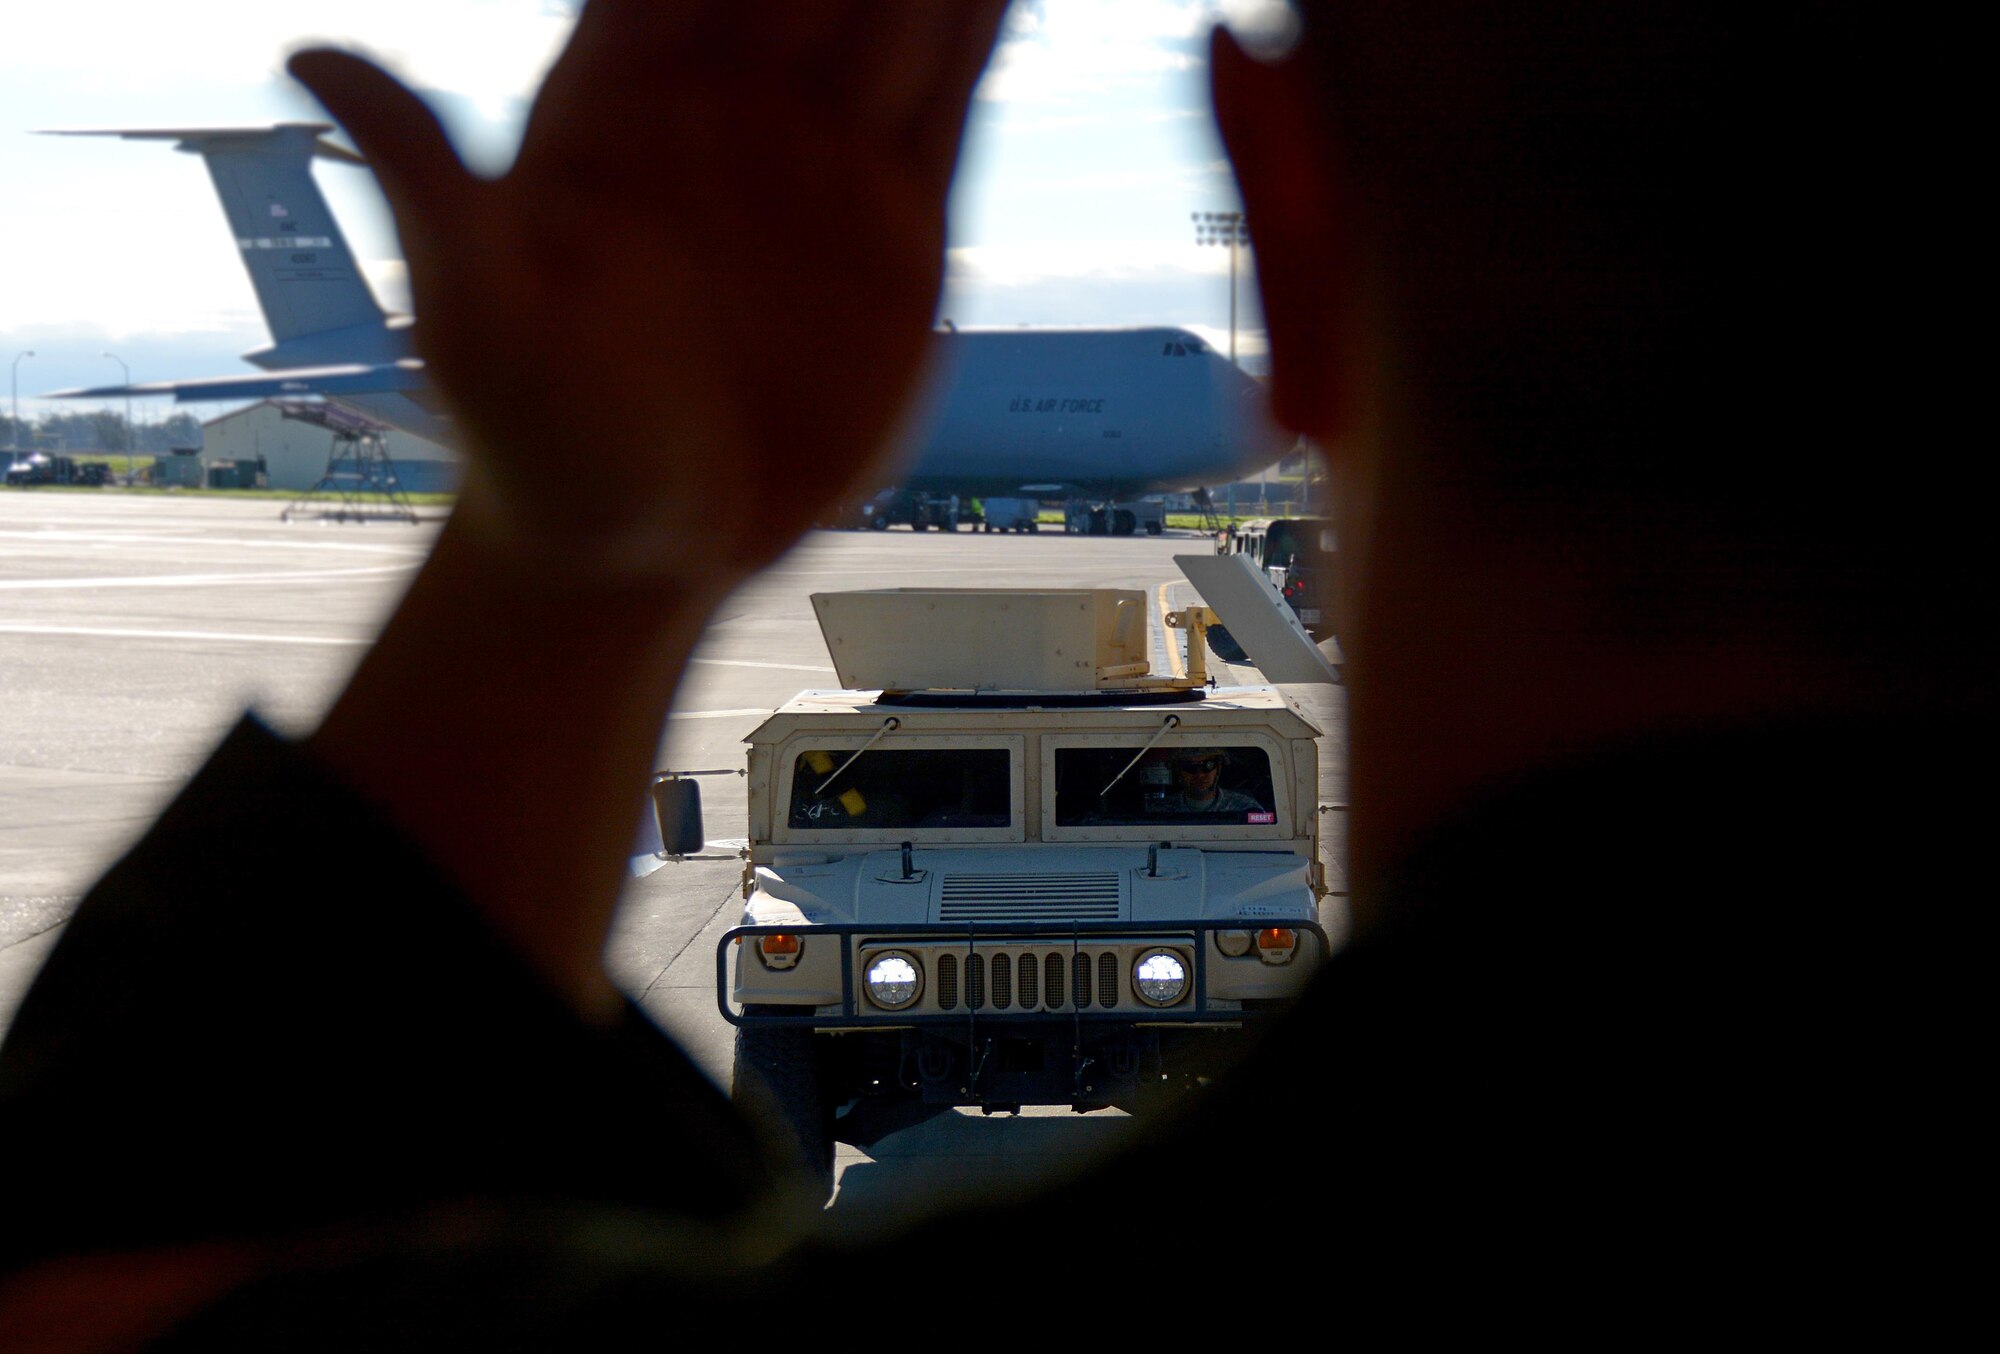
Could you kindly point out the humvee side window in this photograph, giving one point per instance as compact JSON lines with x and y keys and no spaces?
{"x":1204,"y":786}
{"x":901,"y":788}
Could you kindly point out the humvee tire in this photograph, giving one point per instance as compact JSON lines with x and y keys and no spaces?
{"x":776,"y":1080}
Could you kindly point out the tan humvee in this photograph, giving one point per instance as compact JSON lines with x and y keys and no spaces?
{"x":1007,"y":864}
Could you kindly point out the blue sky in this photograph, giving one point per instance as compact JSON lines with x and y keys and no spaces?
{"x":1090,"y":146}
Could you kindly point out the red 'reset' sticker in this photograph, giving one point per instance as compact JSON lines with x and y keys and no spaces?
{"x":1261,"y":817}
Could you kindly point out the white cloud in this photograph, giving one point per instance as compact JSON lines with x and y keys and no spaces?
{"x":1034,"y":262}
{"x":157,"y":48}
{"x":129,"y":236}
{"x":1266,"y":27}
{"x":1077,"y":121}
{"x":1060,"y":51}
{"x":126,"y":240}
{"x":390,"y":281}
{"x":1199,"y":178}
{"x":1118,"y":282}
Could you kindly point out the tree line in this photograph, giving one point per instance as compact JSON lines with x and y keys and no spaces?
{"x":101,"y":432}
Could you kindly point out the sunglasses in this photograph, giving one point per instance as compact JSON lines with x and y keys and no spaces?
{"x":1204,"y":764}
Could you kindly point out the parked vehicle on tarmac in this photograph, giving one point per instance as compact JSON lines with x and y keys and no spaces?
{"x":41,"y":468}
{"x":1298,"y":555}
{"x":1006,"y":864}
{"x":1011,"y":514}
{"x":1084,"y":518}
{"x":917,"y":511}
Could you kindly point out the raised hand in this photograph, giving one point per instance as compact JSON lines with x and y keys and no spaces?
{"x":692,"y":311}
{"x":689,"y":315}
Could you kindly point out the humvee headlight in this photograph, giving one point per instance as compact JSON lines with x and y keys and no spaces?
{"x":1235,"y":944}
{"x":1160,"y":977}
{"x":892,"y":980}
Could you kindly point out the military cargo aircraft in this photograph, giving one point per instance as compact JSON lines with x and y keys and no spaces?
{"x":1048,"y":413}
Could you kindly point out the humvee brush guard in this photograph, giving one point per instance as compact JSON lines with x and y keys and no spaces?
{"x":1009,"y":865}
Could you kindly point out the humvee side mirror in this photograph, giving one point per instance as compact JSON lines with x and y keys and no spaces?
{"x":677,"y":808}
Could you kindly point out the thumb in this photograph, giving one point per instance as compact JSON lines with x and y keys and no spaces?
{"x":397,"y":133}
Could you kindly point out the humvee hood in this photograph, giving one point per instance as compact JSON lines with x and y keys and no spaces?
{"x":1089,"y":884}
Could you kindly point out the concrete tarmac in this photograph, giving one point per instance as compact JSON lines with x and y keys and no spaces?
{"x":135,"y":628}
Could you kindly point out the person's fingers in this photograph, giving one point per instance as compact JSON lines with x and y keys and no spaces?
{"x":620,"y":90}
{"x":659,"y":78}
{"x":934,"y":120}
{"x":621,"y":35}
{"x":877,"y":64}
{"x":804,"y":35}
{"x":395,"y":131}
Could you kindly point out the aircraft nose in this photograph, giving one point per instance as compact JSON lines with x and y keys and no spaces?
{"x":1255,"y":439}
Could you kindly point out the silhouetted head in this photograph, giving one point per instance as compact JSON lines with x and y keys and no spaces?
{"x":1610,"y":317}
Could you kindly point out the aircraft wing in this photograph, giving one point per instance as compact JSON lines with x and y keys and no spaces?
{"x":308,"y":136}
{"x":352,"y":379}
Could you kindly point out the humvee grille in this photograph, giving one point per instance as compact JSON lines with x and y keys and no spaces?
{"x":1029,"y":897}
{"x":1026,"y":977}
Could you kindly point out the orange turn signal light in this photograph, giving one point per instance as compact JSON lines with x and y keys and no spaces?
{"x":779,"y":950}
{"x":1277,"y":944}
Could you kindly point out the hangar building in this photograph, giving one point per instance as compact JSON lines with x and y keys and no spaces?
{"x":296,"y":453}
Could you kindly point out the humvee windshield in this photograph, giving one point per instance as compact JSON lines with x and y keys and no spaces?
{"x":1290,"y":542}
{"x":901,"y":788}
{"x":1200,"y":785}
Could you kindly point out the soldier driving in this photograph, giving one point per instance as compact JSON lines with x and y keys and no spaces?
{"x":1198,"y":785}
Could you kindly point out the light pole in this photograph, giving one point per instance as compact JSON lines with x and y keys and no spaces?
{"x":1231,"y":229}
{"x":131,"y":429}
{"x":14,"y":428}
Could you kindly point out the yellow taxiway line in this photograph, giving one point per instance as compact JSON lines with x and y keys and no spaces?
{"x":1167,"y":633}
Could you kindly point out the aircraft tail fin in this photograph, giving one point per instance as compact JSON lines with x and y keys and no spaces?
{"x":304,"y":273}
